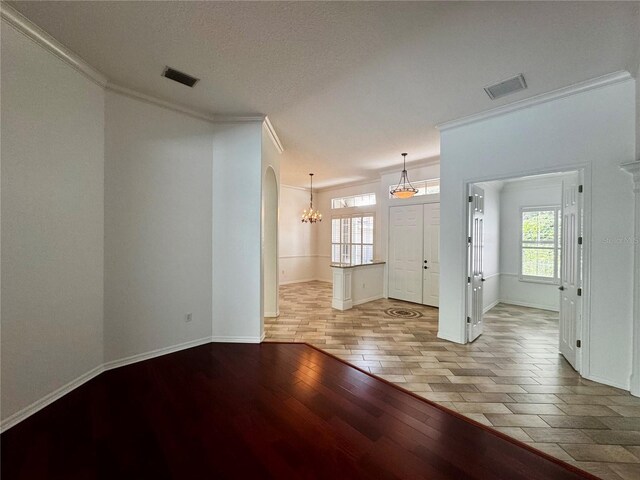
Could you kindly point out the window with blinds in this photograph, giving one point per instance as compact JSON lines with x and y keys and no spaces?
{"x":352,"y":239}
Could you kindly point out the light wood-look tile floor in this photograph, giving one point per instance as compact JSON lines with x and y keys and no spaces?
{"x":511,"y":378}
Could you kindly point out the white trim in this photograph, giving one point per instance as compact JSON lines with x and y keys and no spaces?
{"x":53,"y":46}
{"x":341,"y":305}
{"x":271,"y":314}
{"x":38,"y":405}
{"x":46,"y":41}
{"x":450,"y":337}
{"x":412,"y":165}
{"x":539,"y":306}
{"x":304,"y":280}
{"x":293,"y":187}
{"x":301,"y":256}
{"x":356,"y":183}
{"x":273,"y":135}
{"x":48,"y":399}
{"x":155,"y":353}
{"x":602,"y":81}
{"x":216,"y":119}
{"x":490,"y":306}
{"x":232,"y":339}
{"x":367,"y":300}
{"x":606,"y":381}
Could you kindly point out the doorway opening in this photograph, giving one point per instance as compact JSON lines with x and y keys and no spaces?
{"x":270,"y":245}
{"x":414,"y":253}
{"x":525,"y":259}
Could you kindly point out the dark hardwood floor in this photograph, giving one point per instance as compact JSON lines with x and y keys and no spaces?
{"x":257,"y":411}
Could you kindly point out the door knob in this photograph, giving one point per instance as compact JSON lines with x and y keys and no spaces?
{"x":482,"y":280}
{"x":425,"y":261}
{"x":560,"y":287}
{"x":426,"y":268}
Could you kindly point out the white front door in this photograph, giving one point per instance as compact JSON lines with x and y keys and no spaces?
{"x":431,"y":262}
{"x":570,"y":306}
{"x":476,"y":270}
{"x":405,"y":253}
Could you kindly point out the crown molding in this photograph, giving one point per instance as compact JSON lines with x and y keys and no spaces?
{"x":29,"y":29}
{"x":357,"y":183}
{"x":293,"y":187}
{"x":46,"y":41}
{"x":598,"y":82}
{"x":217,"y":119}
{"x":273,"y":135}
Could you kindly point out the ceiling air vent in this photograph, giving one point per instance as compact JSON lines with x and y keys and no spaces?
{"x":506,"y":87}
{"x":179,"y":77}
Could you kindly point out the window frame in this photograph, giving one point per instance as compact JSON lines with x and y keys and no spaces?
{"x":556,"y":247}
{"x":417,"y":184}
{"x":360,"y":195}
{"x":350,"y":244}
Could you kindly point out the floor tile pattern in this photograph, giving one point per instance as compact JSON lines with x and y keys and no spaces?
{"x":511,"y":378}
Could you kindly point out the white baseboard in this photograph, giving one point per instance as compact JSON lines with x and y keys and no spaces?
{"x":231,"y":339}
{"x":606,"y":381}
{"x":38,"y":405}
{"x":367,"y":300}
{"x":271,"y":314}
{"x":490,"y":306}
{"x":449,"y":337}
{"x":304,"y":280}
{"x":527,"y":304}
{"x":85,"y":377}
{"x":155,"y":353}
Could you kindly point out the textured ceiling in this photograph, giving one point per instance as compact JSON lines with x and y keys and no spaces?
{"x":347,"y":85}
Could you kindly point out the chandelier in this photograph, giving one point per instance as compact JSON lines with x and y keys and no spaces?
{"x":311,"y":215}
{"x":404,"y":189}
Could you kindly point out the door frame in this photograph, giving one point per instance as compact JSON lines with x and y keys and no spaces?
{"x":385,"y":221}
{"x":584,"y":323}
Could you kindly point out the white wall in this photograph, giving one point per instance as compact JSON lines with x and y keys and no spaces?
{"x":52,"y":223}
{"x":158,"y":224}
{"x":516,"y":195}
{"x":595,"y":129}
{"x":297,"y":255}
{"x":237,"y":251}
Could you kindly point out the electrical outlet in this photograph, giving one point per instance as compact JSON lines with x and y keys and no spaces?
{"x":188,"y":317}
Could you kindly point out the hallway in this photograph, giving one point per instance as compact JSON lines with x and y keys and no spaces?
{"x":511,"y":378}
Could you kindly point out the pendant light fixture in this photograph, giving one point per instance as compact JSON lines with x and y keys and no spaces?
{"x":311,"y":215}
{"x":404,"y":189}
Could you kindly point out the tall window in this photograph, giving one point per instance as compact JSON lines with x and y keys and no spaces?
{"x":352,"y":239}
{"x":540,"y":244}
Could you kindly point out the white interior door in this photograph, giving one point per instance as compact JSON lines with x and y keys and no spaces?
{"x":570,"y":251}
{"x":476,"y":271}
{"x":405,"y":253}
{"x":431,"y":262}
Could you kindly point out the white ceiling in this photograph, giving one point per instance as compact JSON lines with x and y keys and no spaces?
{"x":347,"y":85}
